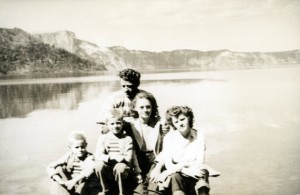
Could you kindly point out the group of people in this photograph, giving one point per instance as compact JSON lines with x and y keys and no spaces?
{"x":138,"y":152}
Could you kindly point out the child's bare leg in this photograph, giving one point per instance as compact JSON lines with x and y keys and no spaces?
{"x":120,"y":172}
{"x":100,"y":172}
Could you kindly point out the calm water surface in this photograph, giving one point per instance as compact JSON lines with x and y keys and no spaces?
{"x":250,"y":119}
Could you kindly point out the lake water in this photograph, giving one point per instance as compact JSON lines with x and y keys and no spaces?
{"x":250,"y":119}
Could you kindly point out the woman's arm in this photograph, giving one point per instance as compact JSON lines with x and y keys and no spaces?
{"x":166,"y":158}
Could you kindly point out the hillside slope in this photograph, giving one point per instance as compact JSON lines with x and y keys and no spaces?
{"x":193,"y":59}
{"x":21,"y":53}
{"x":84,"y":49}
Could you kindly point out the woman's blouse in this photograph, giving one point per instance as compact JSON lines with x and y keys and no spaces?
{"x":189,"y":151}
{"x":145,"y":135}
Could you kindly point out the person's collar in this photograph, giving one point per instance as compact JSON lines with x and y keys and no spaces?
{"x":119,"y":135}
{"x":191,"y":136}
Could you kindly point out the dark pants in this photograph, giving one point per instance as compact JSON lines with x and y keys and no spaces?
{"x":148,"y":188}
{"x":146,"y":163}
{"x":110,"y":174}
{"x":189,"y":185}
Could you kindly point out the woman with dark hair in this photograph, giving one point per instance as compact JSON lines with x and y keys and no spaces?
{"x":147,"y":133}
{"x":183,"y":154}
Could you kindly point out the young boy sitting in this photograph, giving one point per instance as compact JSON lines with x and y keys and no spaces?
{"x":72,"y":170}
{"x":114,"y":154}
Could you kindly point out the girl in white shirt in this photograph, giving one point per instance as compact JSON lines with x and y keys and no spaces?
{"x":183,"y":152}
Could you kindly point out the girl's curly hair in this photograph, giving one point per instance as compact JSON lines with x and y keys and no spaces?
{"x":175,"y":111}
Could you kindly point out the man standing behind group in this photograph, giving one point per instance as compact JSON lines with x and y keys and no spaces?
{"x":130,"y":81}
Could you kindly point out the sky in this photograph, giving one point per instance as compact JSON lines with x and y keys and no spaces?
{"x":164,"y":25}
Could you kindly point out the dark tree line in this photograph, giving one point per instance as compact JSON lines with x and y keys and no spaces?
{"x":40,"y":57}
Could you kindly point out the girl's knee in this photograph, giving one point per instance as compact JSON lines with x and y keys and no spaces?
{"x":99,"y":166}
{"x":120,"y":168}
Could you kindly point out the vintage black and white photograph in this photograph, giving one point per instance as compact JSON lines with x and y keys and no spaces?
{"x":149,"y":97}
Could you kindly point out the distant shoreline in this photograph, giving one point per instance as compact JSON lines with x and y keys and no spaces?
{"x":110,"y":75}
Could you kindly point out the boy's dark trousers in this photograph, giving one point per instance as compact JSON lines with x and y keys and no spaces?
{"x":111,"y":172}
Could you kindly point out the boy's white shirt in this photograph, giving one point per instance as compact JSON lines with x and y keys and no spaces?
{"x":101,"y":147}
{"x":117,"y":100}
{"x":87,"y":164}
{"x":100,"y":157}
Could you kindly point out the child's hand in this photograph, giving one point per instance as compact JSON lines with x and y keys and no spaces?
{"x":165,"y":129}
{"x":163,"y":176}
{"x":139,"y":178}
{"x":155,"y":174}
{"x":70,"y":184}
{"x":58,"y":180}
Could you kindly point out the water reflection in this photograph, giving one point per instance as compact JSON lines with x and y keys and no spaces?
{"x":58,"y":75}
{"x":20,"y":100}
